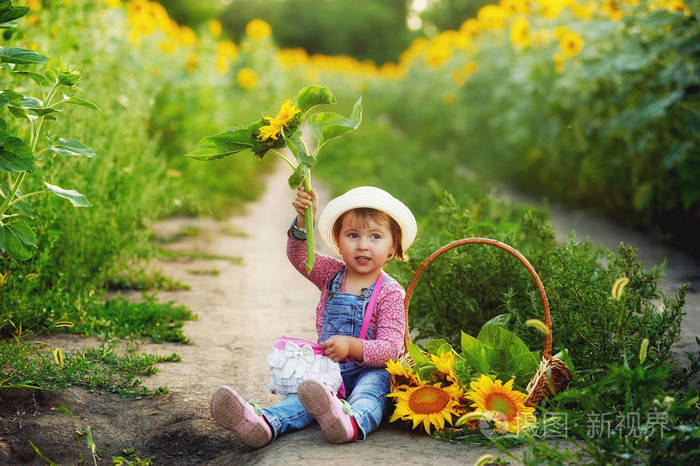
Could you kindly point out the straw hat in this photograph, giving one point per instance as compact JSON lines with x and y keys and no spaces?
{"x":371,"y":197}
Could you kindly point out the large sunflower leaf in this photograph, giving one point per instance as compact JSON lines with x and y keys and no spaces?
{"x":296,"y":145}
{"x":15,"y":154}
{"x":70,"y":146}
{"x":311,"y":96}
{"x":474,"y":353}
{"x":326,"y":126}
{"x":10,"y":13}
{"x":222,"y":144}
{"x":21,"y":56}
{"x":77,"y":101}
{"x":438,"y":347}
{"x":17,"y":239}
{"x":75,"y":198}
{"x":524,"y":365}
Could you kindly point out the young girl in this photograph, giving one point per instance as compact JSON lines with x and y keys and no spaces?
{"x":367,"y":227}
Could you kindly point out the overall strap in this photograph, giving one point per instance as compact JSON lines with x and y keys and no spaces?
{"x":370,"y":307}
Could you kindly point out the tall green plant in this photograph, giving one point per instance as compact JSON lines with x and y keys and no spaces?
{"x":19,"y":156}
{"x":270,"y":134}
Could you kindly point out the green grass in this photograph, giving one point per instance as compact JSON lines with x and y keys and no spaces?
{"x":173,"y":255}
{"x":142,"y":279}
{"x":99,"y":369}
{"x":120,"y":318}
{"x":187,"y":231}
{"x":203,"y":272}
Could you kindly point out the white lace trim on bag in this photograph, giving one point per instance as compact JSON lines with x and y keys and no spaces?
{"x":294,"y":364}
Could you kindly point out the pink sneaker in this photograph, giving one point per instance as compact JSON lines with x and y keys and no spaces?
{"x":232,"y":412}
{"x":332,"y":414}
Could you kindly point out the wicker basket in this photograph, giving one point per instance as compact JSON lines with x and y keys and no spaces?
{"x":553,"y":375}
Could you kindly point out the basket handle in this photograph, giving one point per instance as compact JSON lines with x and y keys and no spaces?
{"x":547,"y":354}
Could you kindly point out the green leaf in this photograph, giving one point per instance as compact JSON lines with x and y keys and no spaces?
{"x":490,"y":335}
{"x":426,"y":372}
{"x":297,"y":178}
{"x":78,"y":101}
{"x":10,"y":25}
{"x":75,"y":198}
{"x":13,"y":97}
{"x":501,"y":320}
{"x":29,"y":101}
{"x":474,"y":353}
{"x":9,"y":14}
{"x":91,"y":442}
{"x":15,"y":154}
{"x":222,"y":144}
{"x":311,"y":96}
{"x":22,"y":206}
{"x":36,"y":77}
{"x":416,"y":354}
{"x":326,"y":126}
{"x":18,"y":112}
{"x":40,"y":454}
{"x":17,"y":239}
{"x":21,"y":56}
{"x":296,"y":145}
{"x":42,"y":111}
{"x":438,"y":347}
{"x":64,"y":410}
{"x":524,"y":365}
{"x":70,"y":146}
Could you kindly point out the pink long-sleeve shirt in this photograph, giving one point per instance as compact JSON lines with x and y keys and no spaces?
{"x":388,"y":319}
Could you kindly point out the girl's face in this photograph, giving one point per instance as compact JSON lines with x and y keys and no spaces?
{"x":365,"y":246}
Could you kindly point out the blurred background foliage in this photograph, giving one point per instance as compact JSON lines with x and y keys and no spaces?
{"x":363,"y":29}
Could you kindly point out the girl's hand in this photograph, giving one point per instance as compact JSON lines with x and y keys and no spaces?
{"x":302,"y":201}
{"x":339,"y":347}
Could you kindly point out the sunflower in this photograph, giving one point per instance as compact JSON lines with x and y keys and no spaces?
{"x":506,"y":405}
{"x":247,"y":78}
{"x":287,"y":112}
{"x":430,"y":405}
{"x":401,"y":375}
{"x":445,"y":364}
{"x":258,"y":29}
{"x":571,"y":44}
{"x":270,"y":131}
{"x":520,"y":33}
{"x":274,"y":125}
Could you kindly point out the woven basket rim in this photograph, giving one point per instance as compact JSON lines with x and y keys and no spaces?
{"x":547,"y":352}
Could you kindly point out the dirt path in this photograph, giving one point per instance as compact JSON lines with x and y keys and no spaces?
{"x":241,"y":313}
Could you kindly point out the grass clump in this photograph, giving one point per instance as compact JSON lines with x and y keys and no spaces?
{"x":141,"y":279}
{"x":99,"y":369}
{"x":204,"y":272}
{"x":121,"y":318}
{"x":194,"y":255}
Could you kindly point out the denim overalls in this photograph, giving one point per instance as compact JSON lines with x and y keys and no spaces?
{"x":366,"y":387}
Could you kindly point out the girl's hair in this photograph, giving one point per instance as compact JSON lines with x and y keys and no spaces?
{"x":361,"y":215}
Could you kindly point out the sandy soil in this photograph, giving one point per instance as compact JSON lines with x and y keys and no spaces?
{"x":241,"y":313}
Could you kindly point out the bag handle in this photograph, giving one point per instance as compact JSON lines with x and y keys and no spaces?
{"x":547,"y":354}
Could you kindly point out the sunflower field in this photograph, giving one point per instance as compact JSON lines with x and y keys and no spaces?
{"x":595,"y":104}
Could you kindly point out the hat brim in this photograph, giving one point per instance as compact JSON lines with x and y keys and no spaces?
{"x":367,"y":197}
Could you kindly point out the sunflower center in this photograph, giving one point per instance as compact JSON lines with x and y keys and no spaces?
{"x":502,"y":405}
{"x":428,"y":400}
